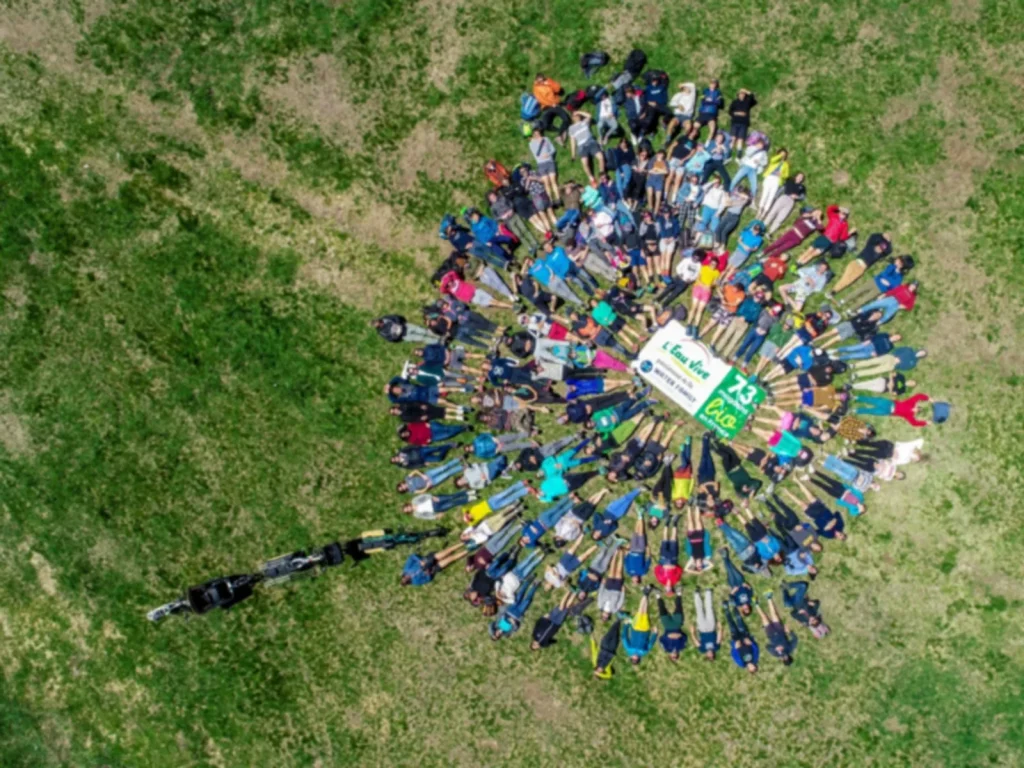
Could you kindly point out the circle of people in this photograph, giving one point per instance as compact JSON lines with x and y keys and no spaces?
{"x":586,"y":286}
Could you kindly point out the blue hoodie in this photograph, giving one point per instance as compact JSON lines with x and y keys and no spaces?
{"x":484,"y":229}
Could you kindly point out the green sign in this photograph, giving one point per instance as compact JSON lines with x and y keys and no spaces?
{"x":729,"y":406}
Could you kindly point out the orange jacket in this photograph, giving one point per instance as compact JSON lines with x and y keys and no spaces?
{"x":546,"y":92}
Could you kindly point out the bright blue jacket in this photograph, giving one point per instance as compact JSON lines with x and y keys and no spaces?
{"x":638,"y":643}
{"x":484,"y":230}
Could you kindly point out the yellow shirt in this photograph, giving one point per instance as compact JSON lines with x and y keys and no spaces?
{"x":708,"y":275}
{"x":682,"y":487}
{"x":478,"y":512}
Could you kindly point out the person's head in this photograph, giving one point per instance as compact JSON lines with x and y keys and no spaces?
{"x":814,"y":621}
{"x":406,"y":580}
{"x":787,"y":660}
{"x":745,"y":609}
{"x":822,"y":267}
{"x":812,"y":571}
{"x":784,"y":152}
{"x":815,"y":546}
{"x":402,"y":487}
{"x":605,"y":616}
{"x":536,"y":133}
{"x":579,"y":117}
{"x":612,"y":476}
{"x":539,"y":78}
{"x":709,"y":655}
{"x":623,"y":143}
{"x":394,"y":410}
{"x":841,"y":535}
{"x":534,"y":646}
{"x":630,"y":90}
{"x":799,"y":177}
{"x":714,"y":84}
{"x":634,"y":660}
{"x":904,"y":263}
{"x":407,"y":508}
{"x":844,"y":213}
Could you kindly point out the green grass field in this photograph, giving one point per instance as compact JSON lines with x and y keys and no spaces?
{"x":203,"y":203}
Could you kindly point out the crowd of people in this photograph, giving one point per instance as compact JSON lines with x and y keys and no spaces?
{"x":522,"y":418}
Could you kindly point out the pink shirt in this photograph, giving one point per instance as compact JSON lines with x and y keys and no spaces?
{"x":455,"y":286}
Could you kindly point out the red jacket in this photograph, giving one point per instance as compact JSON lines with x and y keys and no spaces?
{"x":837,"y":228}
{"x":905,"y":409}
{"x":906,"y":297}
{"x":419,"y":434}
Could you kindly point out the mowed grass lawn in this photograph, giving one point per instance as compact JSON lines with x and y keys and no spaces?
{"x":202,"y":204}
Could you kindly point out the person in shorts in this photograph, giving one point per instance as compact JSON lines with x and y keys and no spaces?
{"x":583,"y":144}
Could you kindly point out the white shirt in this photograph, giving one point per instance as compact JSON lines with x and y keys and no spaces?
{"x":683,"y":100}
{"x":538,"y":325}
{"x":507,"y":587}
{"x":604,"y":224}
{"x":475,"y":476}
{"x":688,"y":270}
{"x":903,"y":453}
{"x":423,"y":507}
{"x":755,"y":157}
{"x":606,"y":109}
{"x":715,"y":196}
{"x":568,"y":528}
{"x":885,"y":469}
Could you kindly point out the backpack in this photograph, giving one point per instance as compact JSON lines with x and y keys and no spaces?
{"x":837,"y":250}
{"x":591,"y":62}
{"x":447,"y":221}
{"x":635,"y":62}
{"x":575,"y":100}
{"x":529,"y":107}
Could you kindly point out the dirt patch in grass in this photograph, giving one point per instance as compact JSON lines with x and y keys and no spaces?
{"x":14,"y":435}
{"x":447,"y":44}
{"x":357,"y":212}
{"x":941,"y":92}
{"x":44,"y":572}
{"x":619,"y":31}
{"x":318,"y":92}
{"x":424,"y":151}
{"x":49,"y":33}
{"x":967,"y":11}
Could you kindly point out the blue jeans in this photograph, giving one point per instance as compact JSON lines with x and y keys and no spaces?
{"x":888,"y":304}
{"x":750,"y":174}
{"x":794,"y":595}
{"x":715,"y":166}
{"x":524,"y":597}
{"x":550,"y":516}
{"x":732,"y":573}
{"x":618,"y":508}
{"x":572,"y":216}
{"x":845,"y":472}
{"x":450,"y":501}
{"x":507,"y":497}
{"x":862,"y":351}
{"x":441,"y":473}
{"x":872,"y":406}
{"x":489,"y":254}
{"x":622,"y":176}
{"x":434,"y":453}
{"x":628,"y":410}
{"x":708,"y":219}
{"x":752,"y":342}
{"x":529,"y":565}
{"x":737,"y":541}
{"x":440,"y":432}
